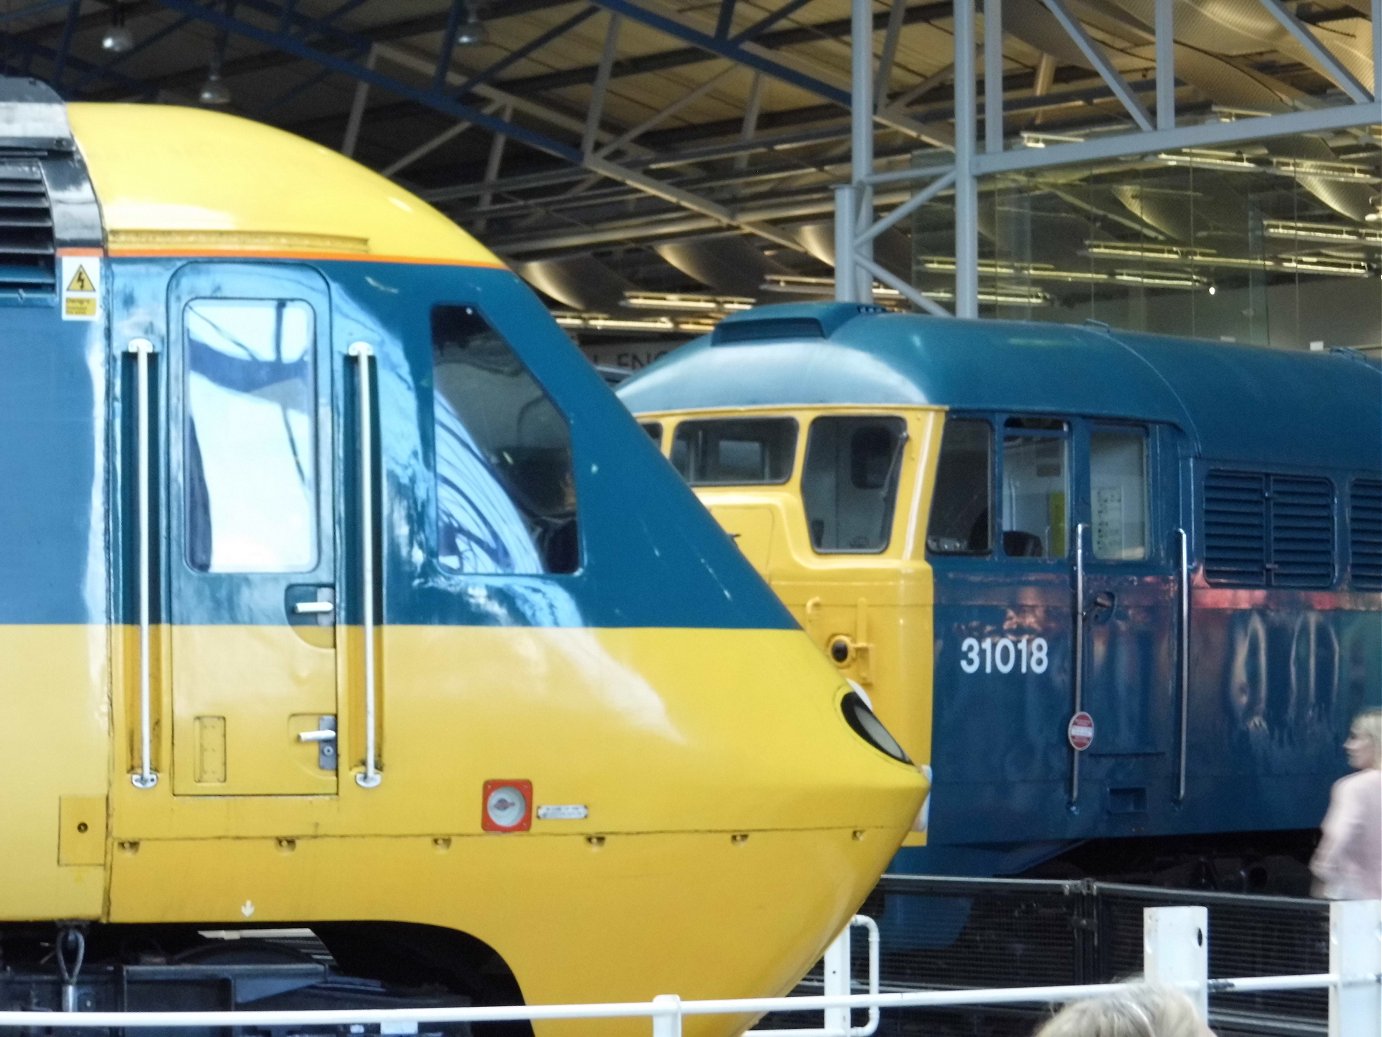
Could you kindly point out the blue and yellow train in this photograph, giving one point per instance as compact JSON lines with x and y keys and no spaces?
{"x":1120,"y":595}
{"x":324,"y":607}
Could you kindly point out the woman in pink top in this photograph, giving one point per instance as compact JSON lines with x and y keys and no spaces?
{"x":1348,"y":861}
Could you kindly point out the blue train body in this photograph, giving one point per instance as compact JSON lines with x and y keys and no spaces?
{"x":1180,"y":540}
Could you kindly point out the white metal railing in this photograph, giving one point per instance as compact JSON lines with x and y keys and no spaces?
{"x":1175,"y":953}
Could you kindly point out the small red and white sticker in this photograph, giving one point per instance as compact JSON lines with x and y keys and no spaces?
{"x":1081,"y":731}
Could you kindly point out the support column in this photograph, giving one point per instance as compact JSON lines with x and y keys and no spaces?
{"x":861,"y":139}
{"x":1166,"y":65}
{"x":966,"y":186}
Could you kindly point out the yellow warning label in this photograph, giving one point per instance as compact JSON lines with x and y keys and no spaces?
{"x":81,"y":281}
{"x":80,"y":307}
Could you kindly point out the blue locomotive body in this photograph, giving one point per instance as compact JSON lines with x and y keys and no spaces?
{"x":1143,"y":573}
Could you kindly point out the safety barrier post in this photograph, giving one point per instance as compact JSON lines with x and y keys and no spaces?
{"x":1175,"y":951}
{"x":837,"y":982}
{"x":666,"y":1016}
{"x":1355,"y":960}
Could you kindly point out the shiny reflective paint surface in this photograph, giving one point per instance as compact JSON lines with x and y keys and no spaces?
{"x":1274,"y":673}
{"x":658,"y":695}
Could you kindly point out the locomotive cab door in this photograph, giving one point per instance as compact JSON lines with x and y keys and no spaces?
{"x":1126,"y":591}
{"x":251,"y":550}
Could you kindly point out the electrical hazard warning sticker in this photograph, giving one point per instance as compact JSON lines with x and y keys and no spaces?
{"x":81,"y":287}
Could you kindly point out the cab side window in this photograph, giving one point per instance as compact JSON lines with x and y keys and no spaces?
{"x":250,"y":443}
{"x":962,"y":504}
{"x":849,"y":481}
{"x":505,"y":487}
{"x":735,"y":452}
{"x":1036,"y":488}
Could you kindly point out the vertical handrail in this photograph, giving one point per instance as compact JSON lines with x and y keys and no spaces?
{"x":1078,"y":662}
{"x":1184,"y":658}
{"x":363,"y":353}
{"x":143,"y":349}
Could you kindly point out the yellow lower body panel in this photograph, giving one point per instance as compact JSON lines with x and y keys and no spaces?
{"x":55,"y":741}
{"x":702,"y":915}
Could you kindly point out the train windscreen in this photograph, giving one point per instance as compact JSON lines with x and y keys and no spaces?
{"x":849,"y":481}
{"x":735,"y":451}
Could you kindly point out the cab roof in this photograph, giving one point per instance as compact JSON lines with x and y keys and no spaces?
{"x":1235,"y":401}
{"x":189,"y":181}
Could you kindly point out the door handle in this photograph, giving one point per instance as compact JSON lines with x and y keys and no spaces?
{"x":1102,"y":606}
{"x":310,"y":604}
{"x":316,"y":736}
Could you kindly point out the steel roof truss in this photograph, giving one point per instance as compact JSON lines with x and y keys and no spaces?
{"x":1336,"y":73}
{"x":1096,"y":56}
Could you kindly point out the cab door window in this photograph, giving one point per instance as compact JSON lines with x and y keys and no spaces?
{"x":250,"y":443}
{"x":1118,"y":493}
{"x":1036,"y":488}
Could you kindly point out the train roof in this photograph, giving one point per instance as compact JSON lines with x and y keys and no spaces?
{"x":1244,"y":402}
{"x":187,"y":181}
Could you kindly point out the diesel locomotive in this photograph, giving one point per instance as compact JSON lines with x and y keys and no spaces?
{"x":1118,"y":594}
{"x":325,"y":610}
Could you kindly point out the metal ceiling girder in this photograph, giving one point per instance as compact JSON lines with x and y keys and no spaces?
{"x":30,"y":49}
{"x":601,"y":88}
{"x":434,"y":99}
{"x":357,"y":108}
{"x":1096,"y":57}
{"x":1340,"y":76}
{"x":65,"y":46}
{"x":450,"y":106}
{"x":686,"y":200}
{"x":727,"y":48}
{"x":41,"y":7}
{"x":459,"y":8}
{"x":765,"y":23}
{"x":556,"y":32}
{"x":107,"y":67}
{"x":888,"y":54}
{"x":428,"y":146}
{"x":1129,"y":145}
{"x":736,"y":50}
{"x":752,"y":108}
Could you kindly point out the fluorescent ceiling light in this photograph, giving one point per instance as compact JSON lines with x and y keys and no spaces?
{"x":686,"y":301}
{"x":1300,"y":231}
{"x":1236,"y":161}
{"x":604,"y":322}
{"x":1316,"y":265}
{"x":1158,"y":280}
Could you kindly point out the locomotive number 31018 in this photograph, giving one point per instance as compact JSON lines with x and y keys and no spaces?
{"x":1004,"y":654}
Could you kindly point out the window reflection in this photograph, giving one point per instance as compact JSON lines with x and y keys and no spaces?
{"x":250,"y":441}
{"x":961,"y":507}
{"x":735,"y":452}
{"x":1035,"y":488}
{"x":849,"y":481}
{"x":1118,"y":493}
{"x":505,"y":488}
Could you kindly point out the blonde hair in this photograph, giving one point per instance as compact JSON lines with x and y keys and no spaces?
{"x":1146,"y":1010}
{"x":1369,"y":724}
